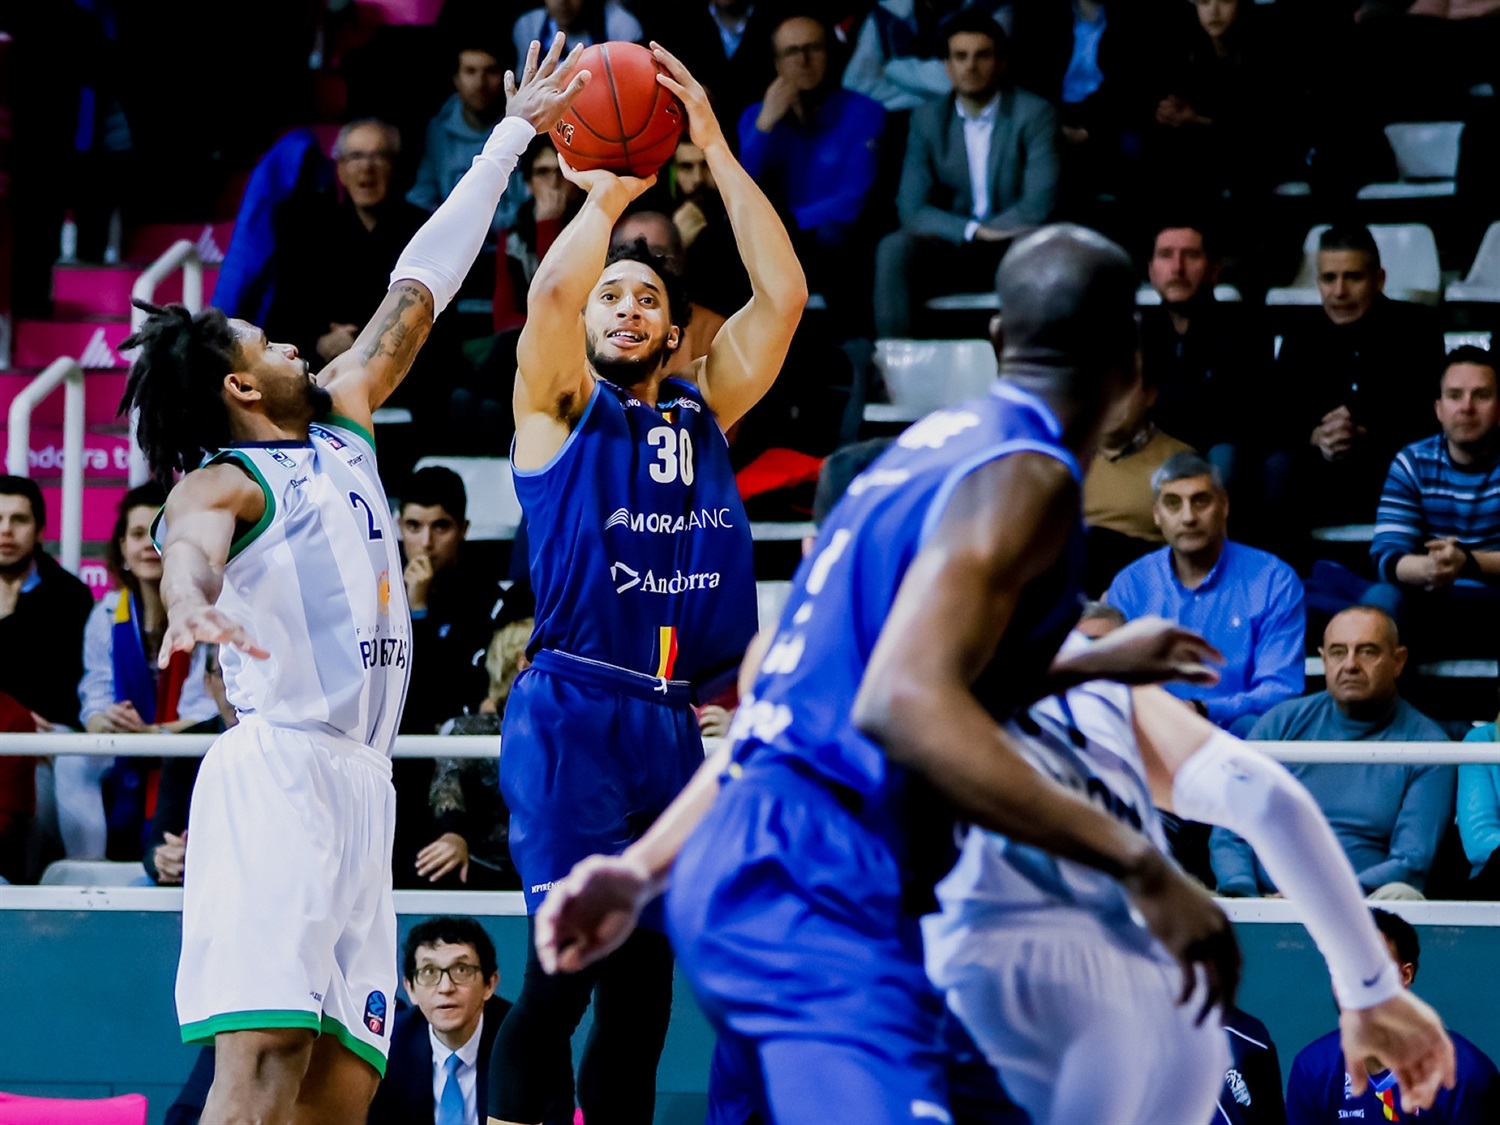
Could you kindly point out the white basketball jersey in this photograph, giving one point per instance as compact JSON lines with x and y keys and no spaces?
{"x":1085,"y":741}
{"x":317,"y":583}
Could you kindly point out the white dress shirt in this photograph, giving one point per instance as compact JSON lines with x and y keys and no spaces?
{"x":468,"y":1075}
{"x":979,"y":128}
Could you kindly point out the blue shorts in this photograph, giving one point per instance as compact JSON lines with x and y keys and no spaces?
{"x":785,"y":914}
{"x":590,"y":756}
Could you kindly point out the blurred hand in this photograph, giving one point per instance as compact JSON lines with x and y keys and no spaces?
{"x":547,"y":88}
{"x":418,"y":578}
{"x":1185,"y":919}
{"x":1148,"y":650}
{"x":1406,"y":1036}
{"x":690,"y":222}
{"x":121,"y":718}
{"x":447,"y":852}
{"x":1446,"y":559}
{"x":589,"y":914}
{"x":1336,"y":434}
{"x":703,"y":126}
{"x":781,"y":96}
{"x":1074,"y":134}
{"x":713,"y":720}
{"x":337,"y":340}
{"x":551,"y":198}
{"x":987,"y":233}
{"x":42,"y":725}
{"x":210,"y":626}
{"x":171,"y":860}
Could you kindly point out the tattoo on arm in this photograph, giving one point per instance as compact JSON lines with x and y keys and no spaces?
{"x":394,"y":337}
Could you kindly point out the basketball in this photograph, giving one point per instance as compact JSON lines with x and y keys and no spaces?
{"x":623,"y":120}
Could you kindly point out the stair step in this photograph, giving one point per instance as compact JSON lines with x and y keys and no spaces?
{"x":95,"y":343}
{"x":102,"y":391}
{"x":149,"y":242}
{"x":84,"y":291}
{"x":106,"y":457}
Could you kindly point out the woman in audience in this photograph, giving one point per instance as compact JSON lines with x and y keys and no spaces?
{"x":1479,"y":819}
{"x":465,"y":794}
{"x":104,"y":808}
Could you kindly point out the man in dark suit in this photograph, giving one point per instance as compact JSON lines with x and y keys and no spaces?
{"x":438,"y":1068}
{"x":727,"y":42}
{"x":981,"y":168}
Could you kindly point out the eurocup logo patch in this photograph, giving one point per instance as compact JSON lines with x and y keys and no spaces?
{"x":375,"y":1013}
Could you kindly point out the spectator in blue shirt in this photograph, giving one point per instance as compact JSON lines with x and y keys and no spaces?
{"x":1245,"y":601}
{"x":814,"y":149}
{"x":1318,"y":1091}
{"x":1388,"y":818}
{"x":1437,"y":532}
{"x":1479,"y":819}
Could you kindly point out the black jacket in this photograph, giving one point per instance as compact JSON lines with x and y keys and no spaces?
{"x":41,"y":643}
{"x":405,"y":1094}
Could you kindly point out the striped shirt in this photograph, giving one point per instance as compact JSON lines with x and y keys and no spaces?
{"x":1426,"y":496}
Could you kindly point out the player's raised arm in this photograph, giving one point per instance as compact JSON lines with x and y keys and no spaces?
{"x":201,"y":515}
{"x":955,"y":602}
{"x":1208,"y":775}
{"x":746,"y":354}
{"x":440,"y":254}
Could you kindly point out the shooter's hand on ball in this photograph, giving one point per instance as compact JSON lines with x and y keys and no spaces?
{"x":703,"y":126}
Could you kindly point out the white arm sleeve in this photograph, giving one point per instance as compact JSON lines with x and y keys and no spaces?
{"x":440,"y":253}
{"x":1235,"y":786}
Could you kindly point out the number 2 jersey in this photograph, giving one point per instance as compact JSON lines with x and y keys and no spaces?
{"x":317,"y":583}
{"x":799,"y":712}
{"x":639,"y":546}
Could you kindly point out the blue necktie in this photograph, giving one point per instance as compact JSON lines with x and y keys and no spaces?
{"x":450,"y":1108}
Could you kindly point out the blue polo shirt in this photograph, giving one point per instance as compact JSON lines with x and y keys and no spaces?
{"x":1317,"y":1093}
{"x":1250,"y":607}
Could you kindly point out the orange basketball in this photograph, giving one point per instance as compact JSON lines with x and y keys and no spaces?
{"x":623,"y":120}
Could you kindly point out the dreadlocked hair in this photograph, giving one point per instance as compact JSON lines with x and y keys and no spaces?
{"x":177,"y":385}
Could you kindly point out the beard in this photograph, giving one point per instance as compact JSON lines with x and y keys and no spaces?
{"x":624,"y":372}
{"x":319,"y":402}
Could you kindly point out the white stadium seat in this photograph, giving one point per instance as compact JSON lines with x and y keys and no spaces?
{"x":1482,"y":284}
{"x":1426,"y":161}
{"x":494,"y":511}
{"x":1408,"y":253}
{"x":923,"y":375}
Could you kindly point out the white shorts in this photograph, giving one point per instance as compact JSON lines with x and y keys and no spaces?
{"x":287,"y":916}
{"x":1079,"y":1026}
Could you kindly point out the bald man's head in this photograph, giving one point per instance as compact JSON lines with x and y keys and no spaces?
{"x":1067,"y":305}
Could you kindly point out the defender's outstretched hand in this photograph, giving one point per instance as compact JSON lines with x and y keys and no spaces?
{"x":589,"y":914}
{"x":206,"y":625}
{"x":1405,"y":1035}
{"x":1148,"y":650}
{"x":703,"y":126}
{"x":547,"y":88}
{"x":1192,"y":927}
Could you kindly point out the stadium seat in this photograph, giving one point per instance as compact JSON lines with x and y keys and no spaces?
{"x":494,"y":511}
{"x":1483,"y":281}
{"x":923,"y":375}
{"x":1426,"y":161}
{"x":90,"y":873}
{"x":1408,"y":252}
{"x":770,"y":599}
{"x":127,"y":1109}
{"x":1453,"y":340}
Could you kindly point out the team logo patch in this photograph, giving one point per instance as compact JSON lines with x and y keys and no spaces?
{"x":375,"y":1013}
{"x":384,"y":591}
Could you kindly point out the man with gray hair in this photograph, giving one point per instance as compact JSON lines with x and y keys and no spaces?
{"x":1245,"y":601}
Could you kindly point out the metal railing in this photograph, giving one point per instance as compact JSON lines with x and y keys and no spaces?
{"x":18,"y":452}
{"x":182,"y":255}
{"x":488,"y":746}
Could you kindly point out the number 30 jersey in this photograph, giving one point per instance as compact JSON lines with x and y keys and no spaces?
{"x":317,"y":583}
{"x":640,"y":550}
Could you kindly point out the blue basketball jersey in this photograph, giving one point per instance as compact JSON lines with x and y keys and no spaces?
{"x":639,"y":546}
{"x":800,"y":705}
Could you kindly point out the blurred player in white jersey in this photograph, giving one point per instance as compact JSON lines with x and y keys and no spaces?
{"x":1073,"y":1001}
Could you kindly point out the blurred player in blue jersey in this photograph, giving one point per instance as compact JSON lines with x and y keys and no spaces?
{"x":930,"y":611}
{"x":640,"y":556}
{"x":281,"y":529}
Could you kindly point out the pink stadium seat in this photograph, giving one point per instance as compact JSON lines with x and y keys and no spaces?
{"x":127,"y":1109}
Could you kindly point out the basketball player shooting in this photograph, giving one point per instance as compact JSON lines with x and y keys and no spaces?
{"x":640,"y":556}
{"x":281,"y":528}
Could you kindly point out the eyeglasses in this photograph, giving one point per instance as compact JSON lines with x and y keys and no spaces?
{"x":808,"y":49}
{"x":380,"y":157}
{"x":462,"y":973}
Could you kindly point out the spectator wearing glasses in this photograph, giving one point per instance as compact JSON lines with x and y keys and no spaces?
{"x":353,"y":241}
{"x":438,"y":1068}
